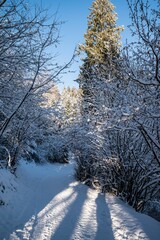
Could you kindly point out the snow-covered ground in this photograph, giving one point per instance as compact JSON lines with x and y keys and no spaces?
{"x":45,"y":202}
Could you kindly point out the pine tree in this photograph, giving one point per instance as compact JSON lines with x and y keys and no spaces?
{"x":102,"y":37}
{"x":102,"y":48}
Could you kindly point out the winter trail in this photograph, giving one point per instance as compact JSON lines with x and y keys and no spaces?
{"x":49,"y":204}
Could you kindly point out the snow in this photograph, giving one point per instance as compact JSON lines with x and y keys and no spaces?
{"x":45,"y":202}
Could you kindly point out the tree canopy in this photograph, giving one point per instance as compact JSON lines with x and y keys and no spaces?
{"x":102,"y":39}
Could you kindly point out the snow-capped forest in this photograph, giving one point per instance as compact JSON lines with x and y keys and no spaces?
{"x":104,"y":134}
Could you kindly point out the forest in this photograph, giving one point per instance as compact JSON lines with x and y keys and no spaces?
{"x":110,"y":124}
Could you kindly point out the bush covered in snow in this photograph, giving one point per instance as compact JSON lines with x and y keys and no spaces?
{"x":120,"y":103}
{"x":134,"y":181}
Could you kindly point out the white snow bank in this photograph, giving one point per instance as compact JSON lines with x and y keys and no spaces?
{"x":7,"y":185}
{"x":50,"y":204}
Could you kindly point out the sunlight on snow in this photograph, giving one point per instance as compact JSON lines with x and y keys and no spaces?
{"x":122,"y":229}
{"x":49,"y":218}
{"x":87,"y":219}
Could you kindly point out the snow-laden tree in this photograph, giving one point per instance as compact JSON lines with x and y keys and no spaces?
{"x":101,"y":48}
{"x":142,"y":71}
{"x":103,"y":35}
{"x":124,"y":127}
{"x":28,"y":39}
{"x":70,"y":103}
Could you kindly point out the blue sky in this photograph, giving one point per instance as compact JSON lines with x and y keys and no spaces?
{"x":74,"y":13}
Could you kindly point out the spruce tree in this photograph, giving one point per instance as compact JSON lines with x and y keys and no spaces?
{"x":103,"y":35}
{"x":102,"y":48}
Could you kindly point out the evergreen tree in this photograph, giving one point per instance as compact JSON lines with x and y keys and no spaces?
{"x":103,"y":35}
{"x":102,"y":47}
{"x":70,"y":101}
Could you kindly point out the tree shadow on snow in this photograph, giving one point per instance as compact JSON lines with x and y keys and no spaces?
{"x":68,"y":225}
{"x":34,"y":206}
{"x":104,"y":222}
{"x":71,"y":221}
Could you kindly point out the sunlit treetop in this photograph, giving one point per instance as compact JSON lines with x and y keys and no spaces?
{"x":102,"y":40}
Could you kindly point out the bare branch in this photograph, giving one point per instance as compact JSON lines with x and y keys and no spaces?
{"x":2,"y":2}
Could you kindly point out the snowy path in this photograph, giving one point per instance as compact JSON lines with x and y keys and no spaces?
{"x":50,"y":204}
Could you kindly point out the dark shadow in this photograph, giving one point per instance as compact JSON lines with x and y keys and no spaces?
{"x":40,"y":200}
{"x":104,"y":222}
{"x":68,"y":224}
